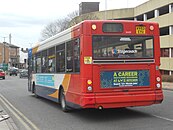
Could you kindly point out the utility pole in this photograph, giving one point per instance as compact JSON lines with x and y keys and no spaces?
{"x":10,"y":38}
{"x":127,"y":3}
{"x":4,"y":50}
{"x":105,"y":9}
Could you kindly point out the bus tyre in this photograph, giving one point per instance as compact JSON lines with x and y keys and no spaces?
{"x":34,"y":90}
{"x":63,"y":101}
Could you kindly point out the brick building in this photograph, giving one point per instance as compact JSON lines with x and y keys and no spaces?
{"x":9,"y":54}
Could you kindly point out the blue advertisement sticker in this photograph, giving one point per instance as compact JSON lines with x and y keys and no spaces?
{"x":112,"y":79}
{"x":45,"y":80}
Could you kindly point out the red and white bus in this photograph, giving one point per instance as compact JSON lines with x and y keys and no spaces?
{"x":99,"y":64}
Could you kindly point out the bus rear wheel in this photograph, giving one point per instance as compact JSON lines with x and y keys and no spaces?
{"x":63,"y":101}
{"x":34,"y":90}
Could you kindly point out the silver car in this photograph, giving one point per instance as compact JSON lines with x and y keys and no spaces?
{"x":23,"y":73}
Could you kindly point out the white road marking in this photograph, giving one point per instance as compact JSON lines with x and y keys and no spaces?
{"x":16,"y":113}
{"x":164,"y":118}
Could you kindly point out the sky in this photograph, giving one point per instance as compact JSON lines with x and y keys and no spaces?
{"x":25,"y":19}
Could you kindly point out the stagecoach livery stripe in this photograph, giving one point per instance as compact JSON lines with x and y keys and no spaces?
{"x":55,"y":94}
{"x":66,"y":81}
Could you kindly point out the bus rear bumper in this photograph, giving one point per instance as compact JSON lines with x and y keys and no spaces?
{"x":110,"y":100}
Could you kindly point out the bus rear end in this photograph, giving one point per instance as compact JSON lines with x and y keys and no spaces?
{"x":121,"y":62}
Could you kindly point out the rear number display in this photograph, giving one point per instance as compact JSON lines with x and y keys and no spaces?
{"x":140,"y":29}
{"x":128,"y":78}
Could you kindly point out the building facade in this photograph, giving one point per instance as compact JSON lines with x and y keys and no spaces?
{"x":4,"y":53}
{"x":160,"y":11}
{"x":87,"y":7}
{"x":9,"y":54}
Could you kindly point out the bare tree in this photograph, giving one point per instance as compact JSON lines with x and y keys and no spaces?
{"x":73,"y":15}
{"x":50,"y":30}
{"x":61,"y":24}
{"x":57,"y":26}
{"x":88,"y":16}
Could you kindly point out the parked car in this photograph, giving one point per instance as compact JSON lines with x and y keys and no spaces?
{"x":23,"y":73}
{"x":13,"y":72}
{"x":2,"y":74}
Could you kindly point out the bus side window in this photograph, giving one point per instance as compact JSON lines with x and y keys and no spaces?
{"x":38,"y":62}
{"x":44,"y":61}
{"x":69,"y":58}
{"x":34,"y":63}
{"x":60,"y":58}
{"x":51,"y":60}
{"x":76,"y":55}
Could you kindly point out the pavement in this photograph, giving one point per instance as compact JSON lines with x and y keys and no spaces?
{"x":7,"y":123}
{"x":167,"y":86}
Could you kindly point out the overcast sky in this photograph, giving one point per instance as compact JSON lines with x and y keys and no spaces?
{"x":25,"y":19}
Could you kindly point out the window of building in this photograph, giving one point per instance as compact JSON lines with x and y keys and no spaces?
{"x":171,"y":52}
{"x":171,"y":7}
{"x":164,"y":72}
{"x":150,"y":15}
{"x":164,"y":31}
{"x":171,"y":30}
{"x":60,"y":58}
{"x":164,"y":52}
{"x":171,"y":73}
{"x":140,"y":18}
{"x":164,"y":10}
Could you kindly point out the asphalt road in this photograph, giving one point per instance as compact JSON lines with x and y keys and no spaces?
{"x":47,"y":115}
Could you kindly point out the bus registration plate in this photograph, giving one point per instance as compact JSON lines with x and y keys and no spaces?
{"x":140,"y":29}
